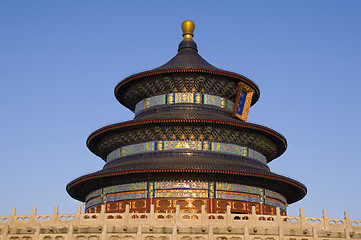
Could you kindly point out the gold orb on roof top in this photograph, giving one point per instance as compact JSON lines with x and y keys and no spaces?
{"x":188,"y":28}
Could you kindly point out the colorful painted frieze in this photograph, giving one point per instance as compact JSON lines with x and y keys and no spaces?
{"x":93,"y":194}
{"x":237,"y":150}
{"x":186,"y":189}
{"x":275,"y":195}
{"x":93,"y":202}
{"x":126,"y":187}
{"x":182,"y":145}
{"x":155,"y":101}
{"x":227,"y":148}
{"x":184,"y":97}
{"x":237,"y":196}
{"x":139,"y":106}
{"x":181,"y":193}
{"x":180,"y":185}
{"x":256,"y":155}
{"x":170,"y":145}
{"x":239,"y":188}
{"x":137,"y":148}
{"x":126,"y":196}
{"x":114,"y":155}
{"x":275,"y":203}
{"x":212,"y":100}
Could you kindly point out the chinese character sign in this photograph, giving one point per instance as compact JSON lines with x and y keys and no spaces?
{"x":243,"y":102}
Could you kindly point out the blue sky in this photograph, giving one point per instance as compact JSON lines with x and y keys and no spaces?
{"x":60,"y":62}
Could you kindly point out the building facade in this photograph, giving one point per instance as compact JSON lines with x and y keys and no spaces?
{"x":188,"y":145}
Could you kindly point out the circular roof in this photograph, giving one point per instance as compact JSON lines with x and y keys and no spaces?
{"x":105,"y":140}
{"x":291,"y":189}
{"x":187,"y":60}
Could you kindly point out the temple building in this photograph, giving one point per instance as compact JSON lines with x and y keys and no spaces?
{"x":189,"y":144}
{"x":187,"y":167}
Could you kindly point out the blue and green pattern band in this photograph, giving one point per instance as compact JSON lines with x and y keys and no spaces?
{"x":186,"y":189}
{"x":167,"y":145}
{"x":184,"y":97}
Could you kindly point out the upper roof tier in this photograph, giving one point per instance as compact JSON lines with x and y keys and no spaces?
{"x":188,"y":64}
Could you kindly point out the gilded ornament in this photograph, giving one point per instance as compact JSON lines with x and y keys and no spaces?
{"x":188,"y":29}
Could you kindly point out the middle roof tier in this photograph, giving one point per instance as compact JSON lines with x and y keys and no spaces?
{"x":187,"y":126}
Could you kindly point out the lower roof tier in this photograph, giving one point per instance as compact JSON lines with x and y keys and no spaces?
{"x":289,"y":188}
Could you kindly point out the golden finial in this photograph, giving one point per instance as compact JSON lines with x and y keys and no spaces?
{"x":188,"y":28}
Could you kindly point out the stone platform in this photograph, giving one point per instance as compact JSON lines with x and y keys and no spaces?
{"x":176,"y":226}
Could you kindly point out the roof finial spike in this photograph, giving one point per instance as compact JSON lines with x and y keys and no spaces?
{"x":188,"y":28}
